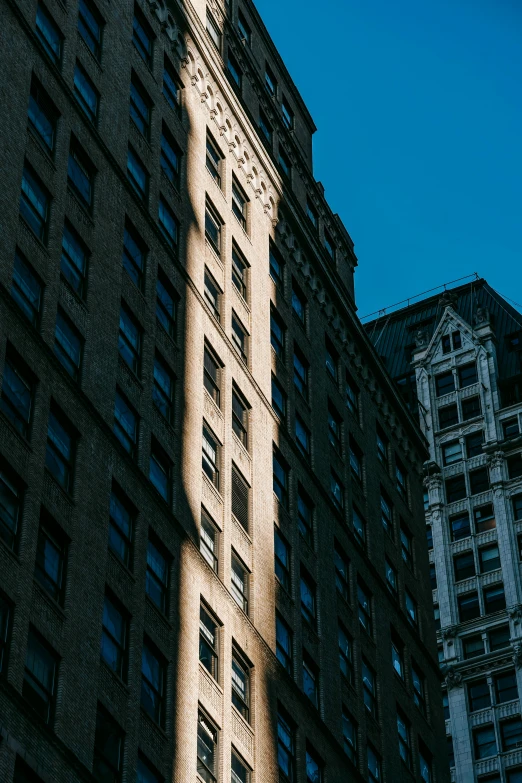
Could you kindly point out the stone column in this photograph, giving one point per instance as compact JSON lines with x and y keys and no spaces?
{"x":441,"y":549}
{"x":459,"y":726}
{"x":507,"y":545}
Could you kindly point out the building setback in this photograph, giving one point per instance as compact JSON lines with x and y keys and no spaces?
{"x":210,"y":567}
{"x":457,"y":359}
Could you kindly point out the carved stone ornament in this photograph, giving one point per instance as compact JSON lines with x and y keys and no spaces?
{"x":432,"y":483}
{"x":517,"y":655}
{"x":453,"y":677}
{"x":481,"y":315}
{"x":422,"y":337}
{"x":448,"y":298}
{"x":496,"y":460}
{"x":449,"y":633}
{"x":515,"y":613}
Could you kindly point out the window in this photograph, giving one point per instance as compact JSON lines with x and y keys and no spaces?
{"x":298,"y":303}
{"x":484,"y":742}
{"x":239,"y":579}
{"x":467,"y":375}
{"x":429,"y":537}
{"x":239,"y":204}
{"x":479,"y":481}
{"x":473,"y":646}
{"x":121,"y":526}
{"x":308,"y":599}
{"x":451,"y":453}
{"x":419,"y":688}
{"x":386,"y":513}
{"x":61,"y":442}
{"x":277,"y":267}
{"x":210,"y":456}
{"x":244,"y":30}
{"x":137,"y":174}
{"x":108,"y":748}
{"x":351,"y":395}
{"x":336,"y":490}
{"x":511,"y":733}
{"x":498,"y":638}
{"x":369,"y":688}
{"x":241,"y":685}
{"x":278,"y":399}
{"x":163,"y":389}
{"x":374,"y":766}
{"x":212,"y":295}
{"x":474,"y":444}
{"x":456,"y":340}
{"x":311,"y":213}
{"x":397,"y":648}
{"x":286,"y":755}
{"x":445,"y":705}
{"x":171,"y":89}
{"x":211,"y":374}
{"x":470,"y":408}
{"x":270,"y":81}
{"x":160,"y":469}
{"x":170,"y":158}
{"x":239,"y":337}
{"x":300,"y":373}
{"x":334,"y":428}
{"x":468,"y":605}
{"x":140,"y":106}
{"x":510,"y":428}
{"x":460,"y":526}
{"x":35,"y":203}
{"x":153,"y":676}
{"x":145,"y":773}
{"x":284,"y":647}
{"x":382,"y":446}
{"x":10,"y":507}
{"x":125,"y":423}
{"x":240,"y":498}
{"x":51,"y":556}
{"x":359,"y":527}
{"x":280,"y":478}
{"x":455,"y":488}
{"x":401,"y":480}
{"x":314,"y":767}
{"x":484,"y":517}
{"x":478,"y":695}
{"x":42,"y":114}
{"x":213,"y":31}
{"x":213,"y":160}
{"x":157,"y":576}
{"x":356,"y":460}
{"x":287,"y":114}
{"x":302,"y":437}
{"x":285,"y":163}
{"x":446,"y":343}
{"x":17,"y":392}
{"x":68,"y":345}
{"x":514,"y":465}
{"x":114,"y":636}
{"x":489,"y":558}
{"x":80,"y":174}
{"x":209,"y":540}
{"x":332,"y":359}
{"x":329,"y":245}
{"x":403,"y":734}
{"x":364,"y":602}
{"x":444,"y":383}
{"x":464,"y":566}
{"x":411,"y":609}
{"x":86,"y":93}
{"x":26,"y":289}
{"x":448,"y":416}
{"x":342,"y":574}
{"x":436,"y":616}
{"x":305,"y":516}
{"x":5,"y":627}
{"x":391,"y":578}
{"x":208,"y":642}
{"x":49,"y":35}
{"x":425,"y":763}
{"x":505,"y":687}
{"x":142,"y":37}
{"x":281,"y":560}
{"x":517,"y":506}
{"x":277,"y":334}
{"x":265,"y":128}
{"x":349,"y":728}
{"x":345,"y":654}
{"x":165,"y":305}
{"x":41,"y":671}
{"x":90,"y":26}
{"x":208,"y":756}
{"x":129,"y":340}
{"x":74,"y":259}
{"x":494,"y":598}
{"x":310,"y":680}
{"x":239,"y":272}
{"x":168,"y":223}
{"x":513,"y":776}
{"x":240,"y":772}
{"x":406,"y":546}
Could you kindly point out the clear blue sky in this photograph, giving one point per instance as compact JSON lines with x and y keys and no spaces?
{"x":419,"y":143}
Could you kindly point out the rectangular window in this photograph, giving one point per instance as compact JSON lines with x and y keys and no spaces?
{"x":419,"y":689}
{"x":142,"y":37}
{"x":121,"y":526}
{"x":280,"y":478}
{"x":401,"y":480}
{"x":460,"y":526}
{"x":137,"y":174}
{"x":244,"y":29}
{"x":382,"y":447}
{"x":74,"y":259}
{"x":160,"y":470}
{"x":35,"y":203}
{"x":455,"y":488}
{"x":342,"y":574}
{"x":514,"y":466}
{"x":308,"y":600}
{"x":49,"y":34}
{"x":278,"y":399}
{"x":125,"y":423}
{"x":349,"y":736}
{"x":26,"y":289}
{"x":498,"y":638}
{"x":211,"y":374}
{"x":86,"y":93}
{"x":114,"y":642}
{"x":171,"y":89}
{"x":287,"y":114}
{"x":239,"y":272}
{"x":286,"y":748}
{"x":90,"y":26}
{"x":213,"y":31}
{"x":239,"y":583}
{"x":153,"y":678}
{"x":336,"y":490}
{"x":145,"y":771}
{"x":168,"y":223}
{"x":208,"y":755}
{"x":444,"y":383}
{"x":265,"y":128}
{"x":285,"y":163}
{"x":464,"y":566}
{"x":511,"y":734}
{"x":270,"y":81}
{"x":468,"y":605}
{"x":209,"y":540}
{"x":170,"y":157}
{"x":51,"y":557}
{"x":473,"y":646}
{"x":391,"y":577}
{"x":510,"y":428}
{"x":471,"y":408}
{"x":134,"y":254}
{"x":18,"y":386}
{"x":11,"y":495}
{"x":334,"y":427}
{"x":484,"y":742}
{"x":80,"y":174}
{"x":61,"y":443}
{"x":517,"y":506}
{"x":108,"y":748}
{"x":364,"y":604}
{"x":301,"y":368}
{"x":284,"y":644}
{"x":329,"y":245}
{"x":369,"y":688}
{"x":312,"y":215}
{"x":157,"y":576}
{"x":397,"y":648}
{"x":166,"y":302}
{"x":467,"y":375}
{"x":404,"y":737}
{"x":277,"y":334}
{"x":210,"y":456}
{"x":68,"y":345}
{"x":241,"y":685}
{"x":448,"y":416}
{"x":42,"y":114}
{"x":212,"y":295}
{"x":239,"y":337}
{"x":277,"y":267}
{"x":240,"y":498}
{"x":305,"y":516}
{"x":356,"y":460}
{"x":240,"y":409}
{"x":359,"y":527}
{"x":314,"y":767}
{"x":505,"y":687}
{"x":489,"y":558}
{"x":239,"y":203}
{"x":208,"y":642}
{"x":494,"y":598}
{"x":303,"y":437}
{"x":407,"y":546}
{"x":345,"y":654}
{"x":351,"y":395}
{"x":386,"y":513}
{"x":213,"y":159}
{"x":451,"y":453}
{"x":163,"y":389}
{"x":129,"y":340}
{"x":412,"y":611}
{"x":234,"y":71}
{"x":41,"y":671}
{"x":5,"y":630}
{"x":298,"y":303}
{"x":479,"y":481}
{"x":281,"y":560}
{"x":332,"y":359}
{"x":240,"y":771}
{"x":374,"y":766}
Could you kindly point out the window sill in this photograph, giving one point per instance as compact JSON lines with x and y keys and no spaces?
{"x":174,"y":189}
{"x":153,"y":726}
{"x":53,"y":603}
{"x":48,"y":155}
{"x":158,"y":613}
{"x":23,"y":440}
{"x":27,"y":228}
{"x":86,"y":49}
{"x":80,"y":301}
{"x":84,"y":216}
{"x":65,"y":495}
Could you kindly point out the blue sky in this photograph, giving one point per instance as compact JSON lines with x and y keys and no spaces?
{"x":419,"y":143}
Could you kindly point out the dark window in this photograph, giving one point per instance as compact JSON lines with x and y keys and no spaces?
{"x":239,"y":583}
{"x":166,"y":305}
{"x":342,"y":576}
{"x":213,"y":159}
{"x":474,"y":444}
{"x":277,"y":334}
{"x":234,"y":71}
{"x":240,"y":417}
{"x":489,"y":558}
{"x":35,"y":203}
{"x":510,"y":428}
{"x":18,"y":386}
{"x":11,"y":495}
{"x":451,"y":453}
{"x":364,"y":604}
{"x":284,"y":646}
{"x":397,"y":646}
{"x":286,"y":751}
{"x":334,"y":427}
{"x":74,"y":259}
{"x":61,"y":442}
{"x":436,"y":616}
{"x":244,"y":30}
{"x":511,"y":733}
{"x":41,"y":671}
{"x":470,"y":408}
{"x":241,"y":685}
{"x":265,"y":128}
{"x":90,"y":26}
{"x":517,"y":506}
{"x":157,"y":576}
{"x":137,"y":174}
{"x":42,"y":114}
{"x":336,"y":490}
{"x":211,"y":374}
{"x":484,"y":518}
{"x":369,"y":688}
{"x":506,"y":687}
{"x":213,"y":31}
{"x":51,"y":557}
{"x":446,"y":343}
{"x":332,"y":358}
{"x":498,"y":638}
{"x":240,"y":498}
{"x":479,"y":696}
{"x":208,"y":642}
{"x":479,"y":481}
{"x":300,"y":373}
{"x":473,"y":646}
{"x":168,"y":222}
{"x":455,"y":488}
{"x":140,"y":106}
{"x":374,"y":766}
{"x":467,"y":375}
{"x":108,"y":748}
{"x":386,"y":513}
{"x":382,"y":446}
{"x":404,"y":737}
{"x":49,"y":34}
{"x":345,"y":654}
{"x":312,"y":214}
{"x":125,"y":423}
{"x":484,"y":742}
{"x":287,"y":115}
{"x":68,"y":345}
{"x":239,"y":272}
{"x":278,"y":399}
{"x":129,"y":340}
{"x":280,"y":478}
{"x":270,"y":81}
{"x":284,"y":162}
{"x":356,"y":459}
{"x":352,"y":395}
{"x":114,"y":641}
{"x":121,"y":526}
{"x":314,"y":767}
{"x":444,"y":383}
{"x":433,"y":576}
{"x":281,"y":560}
{"x":469,"y":607}
{"x":429,"y":536}
{"x":210,"y":456}
{"x":239,"y":204}
{"x":514,"y":465}
{"x":153,"y":677}
{"x":239,"y":337}
{"x":308,"y":599}
{"x":445,"y":705}
{"x":142,"y":37}
{"x":160,"y":469}
{"x":456,"y":340}
{"x":349,"y":736}
{"x":329,"y":245}
{"x":448,"y":416}
{"x":134,"y":254}
{"x":26,"y":289}
{"x":305,"y":516}
{"x":145,"y":772}
{"x":494,"y":599}
{"x":406,"y":546}
{"x":209,"y":540}
{"x":86,"y":93}
{"x":419,"y":688}
{"x":277,"y":267}
{"x":391,"y":577}
{"x":464,"y":566}
{"x":412,"y":611}
{"x":212,"y":294}
{"x":170,"y":157}
{"x":303,"y":437}
{"x":163,"y":389}
{"x":298,"y":303}
{"x":171,"y":89}
{"x":80,"y":174}
{"x":208,"y":754}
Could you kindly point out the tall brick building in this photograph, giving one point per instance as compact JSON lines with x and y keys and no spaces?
{"x":212,"y":550}
{"x":457,"y":359}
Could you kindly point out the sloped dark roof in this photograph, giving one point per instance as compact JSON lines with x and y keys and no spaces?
{"x":393,"y":334}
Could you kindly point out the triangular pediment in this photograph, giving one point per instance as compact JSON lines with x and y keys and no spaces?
{"x":450,"y":323}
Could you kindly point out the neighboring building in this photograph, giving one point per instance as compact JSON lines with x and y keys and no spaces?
{"x":457,"y":359}
{"x":212,"y":550}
